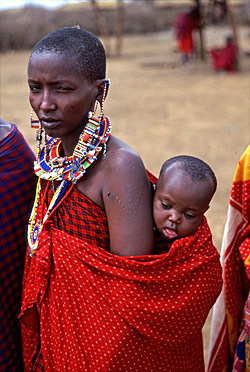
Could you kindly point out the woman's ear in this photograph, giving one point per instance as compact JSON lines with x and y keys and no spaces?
{"x":103,"y":87}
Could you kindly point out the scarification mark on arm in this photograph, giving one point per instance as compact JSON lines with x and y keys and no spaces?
{"x":132,"y":202}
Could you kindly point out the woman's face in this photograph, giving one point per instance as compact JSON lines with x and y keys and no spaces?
{"x":60,"y":95}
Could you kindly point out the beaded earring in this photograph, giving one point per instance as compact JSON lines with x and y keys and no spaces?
{"x":101,"y":116}
{"x":35,"y":124}
{"x":106,"y":84}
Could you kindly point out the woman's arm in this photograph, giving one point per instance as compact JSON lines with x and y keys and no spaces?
{"x":127,"y":198}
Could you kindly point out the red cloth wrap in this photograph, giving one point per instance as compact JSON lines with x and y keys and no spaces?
{"x":224,"y":59}
{"x":184,"y":26}
{"x":101,"y":312}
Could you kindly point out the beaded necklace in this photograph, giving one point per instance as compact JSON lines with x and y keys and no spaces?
{"x":51,"y":166}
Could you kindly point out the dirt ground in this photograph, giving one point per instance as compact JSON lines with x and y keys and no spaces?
{"x":162,"y":109}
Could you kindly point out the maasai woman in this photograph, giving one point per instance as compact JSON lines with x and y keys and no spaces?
{"x":91,"y":186}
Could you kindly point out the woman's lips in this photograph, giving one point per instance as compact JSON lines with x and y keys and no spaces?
{"x":51,"y":124}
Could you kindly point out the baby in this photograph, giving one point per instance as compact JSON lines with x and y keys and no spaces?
{"x":183,"y":192}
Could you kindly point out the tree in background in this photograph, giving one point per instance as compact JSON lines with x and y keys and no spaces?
{"x":103,"y":27}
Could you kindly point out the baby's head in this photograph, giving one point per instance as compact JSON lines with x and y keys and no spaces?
{"x":184,"y":190}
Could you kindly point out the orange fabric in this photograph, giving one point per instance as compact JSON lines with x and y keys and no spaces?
{"x":235,"y":261}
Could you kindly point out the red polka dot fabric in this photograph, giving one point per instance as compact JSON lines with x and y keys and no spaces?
{"x":94,"y":311}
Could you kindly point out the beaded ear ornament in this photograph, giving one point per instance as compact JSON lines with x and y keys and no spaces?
{"x":51,"y":166}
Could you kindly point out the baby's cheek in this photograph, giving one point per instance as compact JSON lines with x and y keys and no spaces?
{"x":157,"y":216}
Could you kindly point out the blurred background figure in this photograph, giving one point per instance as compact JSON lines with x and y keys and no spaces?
{"x":218,"y":10}
{"x":184,"y":26}
{"x":225,"y":59}
{"x":16,"y":194}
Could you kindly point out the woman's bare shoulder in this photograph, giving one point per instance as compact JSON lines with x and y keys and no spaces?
{"x":124,"y":162}
{"x":119,"y":150}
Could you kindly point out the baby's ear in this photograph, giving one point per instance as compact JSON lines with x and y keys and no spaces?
{"x":206,"y":209}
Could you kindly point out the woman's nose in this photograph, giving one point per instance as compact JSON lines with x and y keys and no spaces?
{"x":47,"y":104}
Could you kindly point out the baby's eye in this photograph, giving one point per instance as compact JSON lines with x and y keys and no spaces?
{"x":165,"y":205}
{"x":189,"y":215}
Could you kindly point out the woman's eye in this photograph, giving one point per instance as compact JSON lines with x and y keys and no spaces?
{"x":63,"y":89}
{"x":35,"y":89}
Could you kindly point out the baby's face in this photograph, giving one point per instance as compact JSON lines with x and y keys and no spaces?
{"x":179,"y":203}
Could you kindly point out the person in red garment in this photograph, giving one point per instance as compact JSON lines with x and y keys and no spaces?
{"x":17,"y":186}
{"x":184,"y":27}
{"x":225,"y":59}
{"x":95,"y":296}
{"x":92,"y":190}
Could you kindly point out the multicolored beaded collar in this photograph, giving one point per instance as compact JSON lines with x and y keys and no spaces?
{"x":51,"y":166}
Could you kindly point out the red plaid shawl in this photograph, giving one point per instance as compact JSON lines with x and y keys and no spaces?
{"x":235,"y":256}
{"x":101,"y":312}
{"x":17,"y":185}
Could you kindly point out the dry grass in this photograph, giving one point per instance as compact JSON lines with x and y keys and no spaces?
{"x":162,"y":110}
